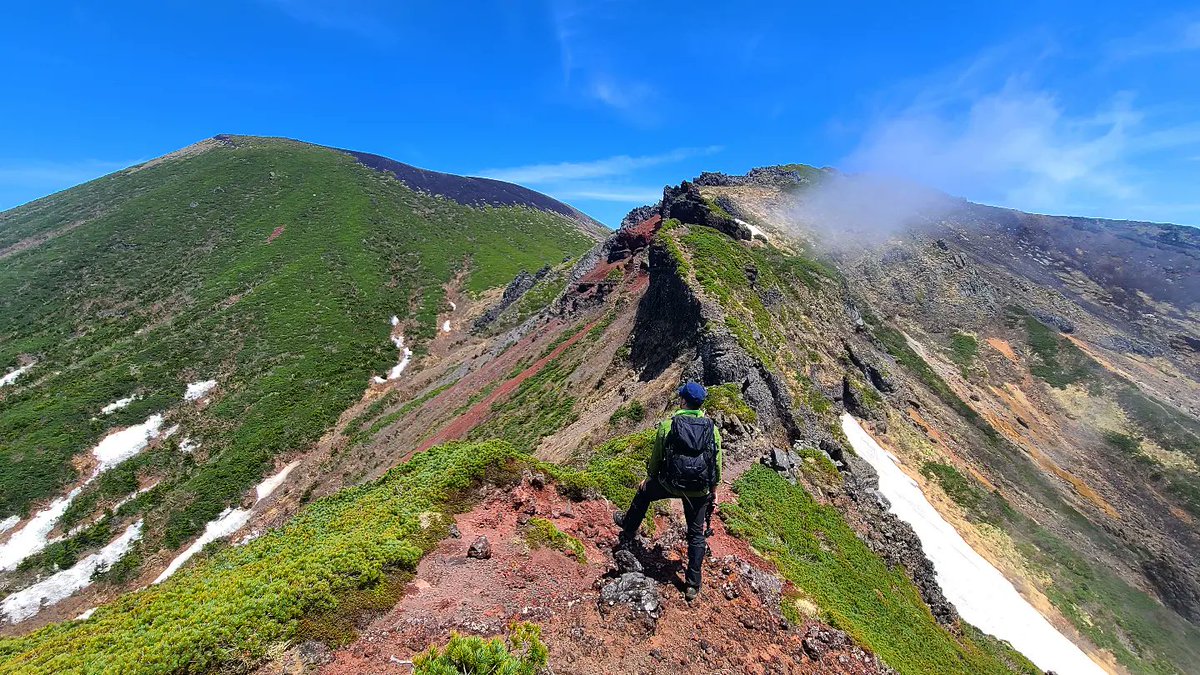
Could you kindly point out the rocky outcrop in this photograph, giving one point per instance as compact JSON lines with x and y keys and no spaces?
{"x":893,"y":539}
{"x":874,"y":369}
{"x":720,"y":359}
{"x":687,"y":205}
{"x":668,"y":320}
{"x":627,"y":241}
{"x":640,"y":214}
{"x":1176,"y":588}
{"x":630,"y":591}
{"x":763,"y":175}
{"x":513,"y":292}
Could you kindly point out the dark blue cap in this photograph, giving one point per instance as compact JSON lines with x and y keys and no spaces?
{"x":693,"y":392}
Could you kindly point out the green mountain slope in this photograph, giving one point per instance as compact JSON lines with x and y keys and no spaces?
{"x":268,"y":265}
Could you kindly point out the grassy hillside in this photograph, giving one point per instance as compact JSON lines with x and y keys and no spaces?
{"x":230,"y":608}
{"x":269,"y":265}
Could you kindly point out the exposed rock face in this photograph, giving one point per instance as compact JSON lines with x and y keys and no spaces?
{"x":1175,"y":589}
{"x":873,"y":369}
{"x":513,"y":292}
{"x":820,"y":641}
{"x":721,"y":359}
{"x":686,"y":204}
{"x":639,"y":215}
{"x":893,"y":539}
{"x":668,"y":317}
{"x":629,"y":240}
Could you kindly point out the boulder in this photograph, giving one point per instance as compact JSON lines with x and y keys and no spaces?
{"x":480,"y":549}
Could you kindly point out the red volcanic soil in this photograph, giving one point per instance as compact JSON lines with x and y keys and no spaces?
{"x":478,"y":412}
{"x":732,"y":628}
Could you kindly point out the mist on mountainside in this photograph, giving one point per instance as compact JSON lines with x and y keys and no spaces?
{"x":850,"y":210}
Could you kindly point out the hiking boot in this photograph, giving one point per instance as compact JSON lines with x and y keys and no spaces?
{"x":623,"y":540}
{"x":691,"y":593}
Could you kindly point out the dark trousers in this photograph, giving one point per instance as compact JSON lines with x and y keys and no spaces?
{"x":695,"y":511}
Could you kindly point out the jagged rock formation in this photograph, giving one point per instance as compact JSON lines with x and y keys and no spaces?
{"x":686,"y":204}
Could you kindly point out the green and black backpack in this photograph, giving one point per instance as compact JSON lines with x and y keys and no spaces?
{"x":689,"y":461}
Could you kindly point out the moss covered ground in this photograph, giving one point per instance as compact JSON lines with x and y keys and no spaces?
{"x":541,"y":533}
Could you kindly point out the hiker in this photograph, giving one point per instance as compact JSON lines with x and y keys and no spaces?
{"x":685,"y":464}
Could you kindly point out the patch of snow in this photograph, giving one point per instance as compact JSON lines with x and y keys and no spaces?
{"x":121,"y":445}
{"x":197,"y":389}
{"x":118,"y":404}
{"x":25,"y":603}
{"x":249,"y":537}
{"x":12,"y":376}
{"x":268,"y":486}
{"x":395,"y":320}
{"x":453,"y":307}
{"x":9,"y":523}
{"x":109,"y":452}
{"x":983,"y":596}
{"x":87,"y":614}
{"x":230,"y":521}
{"x":133,"y":495}
{"x":755,"y":231}
{"x":406,"y":355}
{"x":33,"y":537}
{"x":188,"y":445}
{"x":170,"y":432}
{"x":446,"y":326}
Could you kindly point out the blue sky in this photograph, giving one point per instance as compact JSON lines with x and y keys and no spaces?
{"x":1076,"y":108}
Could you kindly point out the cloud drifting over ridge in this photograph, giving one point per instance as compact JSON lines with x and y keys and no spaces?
{"x":1001,"y":138}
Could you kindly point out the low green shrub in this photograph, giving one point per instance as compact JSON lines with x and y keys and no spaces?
{"x":727,"y":398}
{"x":521,"y":653}
{"x":541,"y":533}
{"x":633,"y":411}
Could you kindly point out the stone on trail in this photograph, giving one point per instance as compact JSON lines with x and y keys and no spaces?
{"x":480,"y":549}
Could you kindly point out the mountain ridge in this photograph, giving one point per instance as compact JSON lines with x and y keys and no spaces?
{"x":1065,"y":459}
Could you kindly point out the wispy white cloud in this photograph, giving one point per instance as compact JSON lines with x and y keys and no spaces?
{"x":54,"y":176}
{"x":1000,"y":138}
{"x":619,"y":165}
{"x":589,"y":71}
{"x":645,"y":195}
{"x":1172,"y":36}
{"x":361,"y":19}
{"x":627,"y":96}
{"x":22,"y":181}
{"x":620,"y":179}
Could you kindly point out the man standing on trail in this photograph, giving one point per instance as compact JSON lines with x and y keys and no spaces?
{"x":685,"y":464}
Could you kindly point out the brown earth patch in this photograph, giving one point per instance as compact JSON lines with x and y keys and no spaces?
{"x":1004,"y":348}
{"x":932,"y":433}
{"x":275,"y":233}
